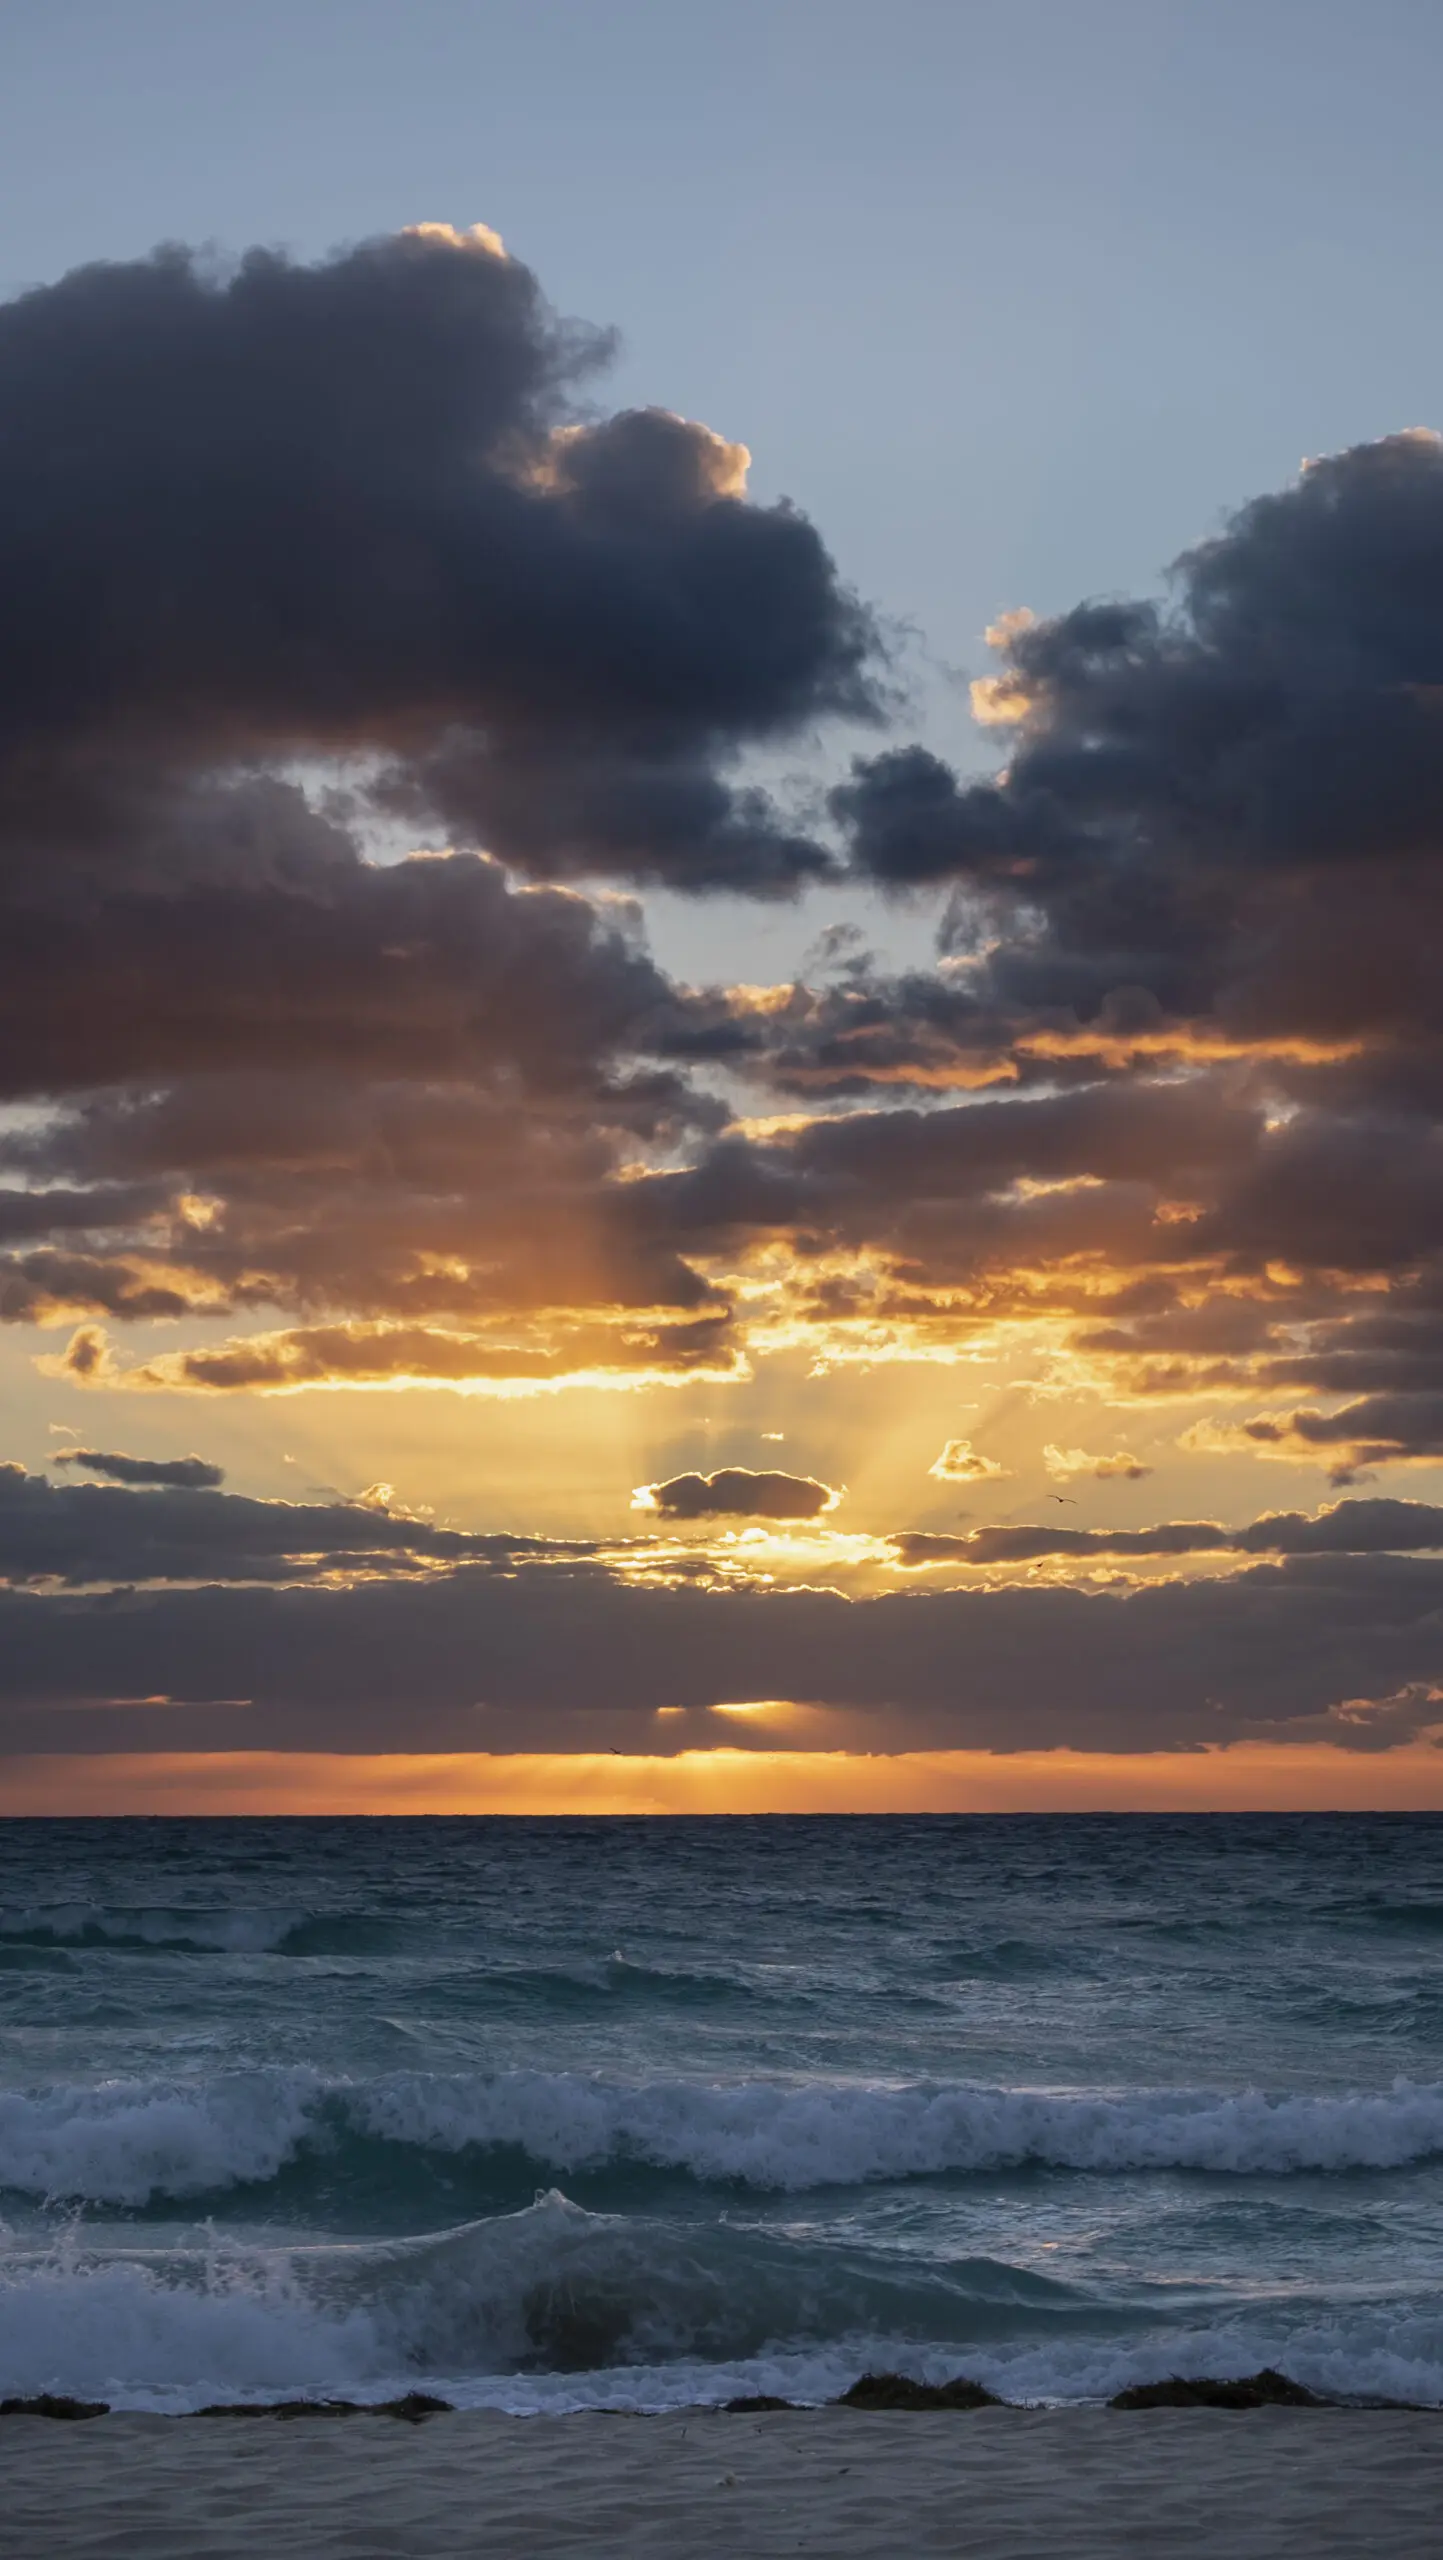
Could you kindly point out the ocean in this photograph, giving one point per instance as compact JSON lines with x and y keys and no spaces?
{"x":632,"y":2114}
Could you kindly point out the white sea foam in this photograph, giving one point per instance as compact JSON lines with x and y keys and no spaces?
{"x":554,"y":2308}
{"x":159,"y":1926}
{"x":127,"y":2142}
{"x":792,"y":2137}
{"x":133,"y":2142}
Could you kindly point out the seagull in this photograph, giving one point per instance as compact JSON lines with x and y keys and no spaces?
{"x":1064,"y":1497}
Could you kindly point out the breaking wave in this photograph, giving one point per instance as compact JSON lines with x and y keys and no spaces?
{"x":554,"y":2307}
{"x":138,"y":2143}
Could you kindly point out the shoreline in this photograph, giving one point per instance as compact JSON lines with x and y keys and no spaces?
{"x":873,"y":2394}
{"x":712,"y":2484}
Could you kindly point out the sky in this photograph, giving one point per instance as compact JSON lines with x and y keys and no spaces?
{"x":721,"y":756}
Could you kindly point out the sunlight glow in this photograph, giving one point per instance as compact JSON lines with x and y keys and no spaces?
{"x":1250,"y":1777}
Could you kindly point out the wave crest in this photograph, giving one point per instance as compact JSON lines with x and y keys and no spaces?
{"x":557,"y":2308}
{"x":136,"y":2143}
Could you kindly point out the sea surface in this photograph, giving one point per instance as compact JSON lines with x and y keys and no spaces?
{"x":552,"y":2115}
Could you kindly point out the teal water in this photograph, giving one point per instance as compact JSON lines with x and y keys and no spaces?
{"x":557,"y":2114}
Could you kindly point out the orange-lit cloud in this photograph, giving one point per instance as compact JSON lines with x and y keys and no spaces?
{"x":1118,"y":1467}
{"x":957,"y":1462}
{"x":399,"y":1357}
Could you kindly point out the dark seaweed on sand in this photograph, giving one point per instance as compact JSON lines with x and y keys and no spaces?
{"x":898,"y":2391}
{"x":412,"y":2409}
{"x":1264,"y":2390}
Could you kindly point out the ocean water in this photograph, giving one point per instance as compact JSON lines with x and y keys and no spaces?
{"x":546,"y":2115}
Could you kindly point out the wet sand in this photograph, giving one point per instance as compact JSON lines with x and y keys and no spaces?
{"x":1271,"y":2484}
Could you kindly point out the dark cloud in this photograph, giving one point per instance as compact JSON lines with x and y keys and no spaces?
{"x":1342,"y":1649}
{"x":1282,"y":713}
{"x":612,"y":807}
{"x":190,"y":1475}
{"x":400,"y":1092}
{"x":1026,"y":1543}
{"x":425,"y":969}
{"x":356,"y":514}
{"x":1373,"y":1432}
{"x":178,"y":1619}
{"x":959,"y":1198}
{"x":182,"y":1531}
{"x":1348,"y":1528}
{"x":738,"y":1493}
{"x":355,"y":508}
{"x":1176,"y":774}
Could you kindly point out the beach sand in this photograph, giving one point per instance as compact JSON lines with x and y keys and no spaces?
{"x":1086,"y":2483}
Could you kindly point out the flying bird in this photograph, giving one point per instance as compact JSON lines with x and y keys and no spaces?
{"x":1064,"y":1497}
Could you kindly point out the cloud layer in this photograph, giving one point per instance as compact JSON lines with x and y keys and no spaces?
{"x":1161,"y":1102}
{"x":358,"y":671}
{"x":79,"y":1534}
{"x":176,"y":1618}
{"x":1347,"y":1528}
{"x":485,"y":1657}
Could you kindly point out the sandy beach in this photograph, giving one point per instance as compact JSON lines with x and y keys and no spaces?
{"x":1090,"y":2483}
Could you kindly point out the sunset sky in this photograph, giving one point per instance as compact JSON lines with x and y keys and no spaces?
{"x":723,"y":1068}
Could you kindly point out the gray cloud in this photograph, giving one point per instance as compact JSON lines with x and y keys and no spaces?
{"x":1373,"y":1432}
{"x":1346,"y":1528}
{"x":738,"y":1493}
{"x":424,"y":969}
{"x":574,"y":1660}
{"x":1177,"y":773}
{"x":190,"y":1475}
{"x":1280,"y":714}
{"x":357,"y":506}
{"x":401,"y":1092}
{"x":87,"y":1533}
{"x":234,"y":1624}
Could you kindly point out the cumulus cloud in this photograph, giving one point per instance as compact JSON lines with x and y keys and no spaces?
{"x":740,"y":1493}
{"x":357,"y":506}
{"x":1278,"y":716}
{"x":958,"y":1462}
